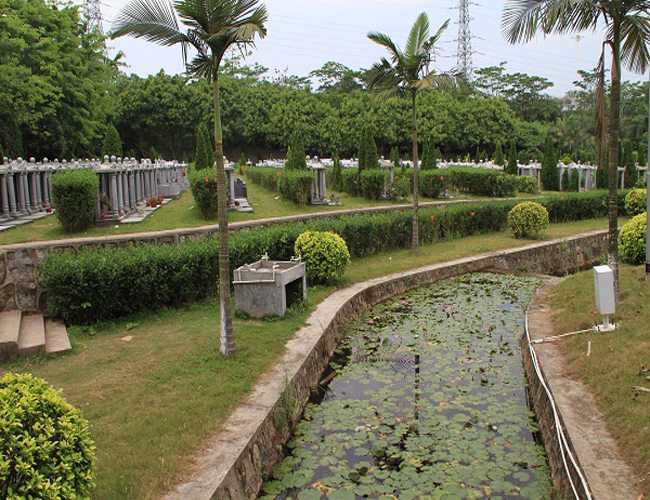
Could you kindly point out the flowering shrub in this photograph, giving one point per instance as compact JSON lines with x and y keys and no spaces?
{"x":527,"y":219}
{"x":433,"y":183}
{"x":204,"y":189}
{"x":45,"y":446}
{"x":631,"y":240}
{"x":636,"y":201}
{"x":325,"y":254}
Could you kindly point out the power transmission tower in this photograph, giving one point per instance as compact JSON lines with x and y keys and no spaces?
{"x":464,"y":53}
{"x":92,"y":14}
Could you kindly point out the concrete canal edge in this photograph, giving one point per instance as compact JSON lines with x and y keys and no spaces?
{"x":605,"y":475}
{"x":235,"y":461}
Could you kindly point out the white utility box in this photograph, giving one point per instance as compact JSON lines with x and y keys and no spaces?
{"x":604,"y":288}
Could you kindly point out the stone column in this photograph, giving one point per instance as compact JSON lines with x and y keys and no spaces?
{"x":114,"y":193}
{"x":5,"y":198}
{"x":39,"y":191}
{"x":138,"y":187}
{"x":24,"y":195}
{"x":120,"y":195}
{"x":44,"y":188}
{"x":11,"y":191}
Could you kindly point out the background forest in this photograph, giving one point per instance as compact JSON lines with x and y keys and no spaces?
{"x":59,"y":92}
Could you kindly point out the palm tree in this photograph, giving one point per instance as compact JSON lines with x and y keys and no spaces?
{"x":405,"y":73}
{"x":212,"y":27}
{"x":628,"y":31}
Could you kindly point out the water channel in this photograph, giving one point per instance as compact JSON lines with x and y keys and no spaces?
{"x":429,"y":402}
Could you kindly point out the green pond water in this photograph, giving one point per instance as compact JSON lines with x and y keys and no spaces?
{"x":429,"y":402}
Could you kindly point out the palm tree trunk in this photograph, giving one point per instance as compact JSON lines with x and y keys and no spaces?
{"x":415,"y":244}
{"x":227,"y":335}
{"x":614,"y":128}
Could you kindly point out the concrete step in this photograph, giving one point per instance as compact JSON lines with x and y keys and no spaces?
{"x":9,"y":332}
{"x":56,"y":337}
{"x":32,"y":334}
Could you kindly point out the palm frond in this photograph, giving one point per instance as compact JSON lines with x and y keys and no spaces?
{"x":635,"y":34}
{"x":153,"y":20}
{"x":201,"y":66}
{"x":418,"y":35}
{"x":385,"y":41}
{"x":522,"y":19}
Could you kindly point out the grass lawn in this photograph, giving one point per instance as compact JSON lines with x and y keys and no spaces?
{"x":154,"y":386}
{"x":611,"y":369}
{"x":183,"y":213}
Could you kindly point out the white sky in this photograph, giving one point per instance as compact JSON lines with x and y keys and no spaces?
{"x":305,"y":34}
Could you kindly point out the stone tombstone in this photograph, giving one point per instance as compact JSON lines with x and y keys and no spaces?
{"x":268,"y":287}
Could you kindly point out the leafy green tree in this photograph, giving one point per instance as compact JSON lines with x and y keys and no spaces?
{"x":372,"y":156}
{"x":201,"y":161}
{"x":112,"y":142}
{"x":54,"y":80}
{"x":407,"y":72}
{"x":550,"y":179}
{"x":512,"y":159}
{"x":394,"y":158}
{"x":498,"y":155}
{"x":627,"y":35}
{"x":641,"y":155}
{"x":628,"y":163}
{"x":363,"y":150}
{"x":337,"y":173}
{"x":336,"y":77}
{"x":213,"y":27}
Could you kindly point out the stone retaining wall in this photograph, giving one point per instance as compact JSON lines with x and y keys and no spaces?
{"x":251,"y":442}
{"x":19,"y":287}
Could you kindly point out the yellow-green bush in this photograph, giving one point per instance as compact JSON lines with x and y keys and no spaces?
{"x":631,"y":240}
{"x":636,"y":201}
{"x":74,"y":195}
{"x":325,"y":254}
{"x":45,"y":446}
{"x":527,"y":219}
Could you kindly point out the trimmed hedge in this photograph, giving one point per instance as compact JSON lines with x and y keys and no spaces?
{"x":433,"y":183}
{"x":636,"y":201}
{"x":203,"y":184}
{"x":325,"y":255}
{"x":45,"y":450}
{"x":74,"y":196}
{"x":631,"y":241}
{"x":372,"y":183}
{"x":295,"y":185}
{"x":526,"y":184}
{"x":265,"y":177}
{"x":483,"y":182}
{"x":95,"y":285}
{"x":350,"y":181}
{"x":528,"y":219}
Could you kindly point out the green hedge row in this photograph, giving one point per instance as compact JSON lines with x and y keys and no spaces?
{"x":265,"y":177}
{"x":483,"y":182}
{"x":295,"y":185}
{"x":433,"y":183}
{"x":101,"y":284}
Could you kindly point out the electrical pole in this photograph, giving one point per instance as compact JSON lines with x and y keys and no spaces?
{"x":464,"y":53}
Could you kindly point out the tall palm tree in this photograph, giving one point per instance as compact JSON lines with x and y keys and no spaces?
{"x":627,"y":24}
{"x":212,"y":27}
{"x":406,"y":72}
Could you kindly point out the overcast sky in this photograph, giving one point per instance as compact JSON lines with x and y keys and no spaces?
{"x":305,"y":34}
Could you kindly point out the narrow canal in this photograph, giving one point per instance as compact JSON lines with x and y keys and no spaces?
{"x":429,"y":402}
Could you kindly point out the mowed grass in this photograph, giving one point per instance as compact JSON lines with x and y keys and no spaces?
{"x":612,"y":368}
{"x":154,"y":387}
{"x":184,"y":213}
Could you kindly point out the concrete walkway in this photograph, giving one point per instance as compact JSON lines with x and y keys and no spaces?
{"x":608,"y":477}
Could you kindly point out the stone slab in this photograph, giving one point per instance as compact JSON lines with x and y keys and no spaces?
{"x":9,"y":332}
{"x":56,"y":337}
{"x":32,"y":334}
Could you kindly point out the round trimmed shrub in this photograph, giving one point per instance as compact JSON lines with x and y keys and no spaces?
{"x":45,"y":447}
{"x":631,"y":241}
{"x":325,"y":254}
{"x":528,"y":219}
{"x":636,"y":201}
{"x":74,"y":195}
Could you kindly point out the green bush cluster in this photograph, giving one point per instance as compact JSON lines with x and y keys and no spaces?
{"x":74,"y":196}
{"x":526,"y":184}
{"x":325,"y":254}
{"x":372,"y":183}
{"x":631,"y":240}
{"x":45,"y":447}
{"x":203,"y":184}
{"x":433,"y":183}
{"x":483,"y":182}
{"x":636,"y":201}
{"x":295,"y":185}
{"x":95,"y":285}
{"x":528,"y":219}
{"x":265,"y":177}
{"x":350,"y":181}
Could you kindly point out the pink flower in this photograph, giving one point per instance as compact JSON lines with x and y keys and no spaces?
{"x":473,"y":214}
{"x":215,"y":180}
{"x":442,"y":178}
{"x":278,"y":173}
{"x":432,"y":217}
